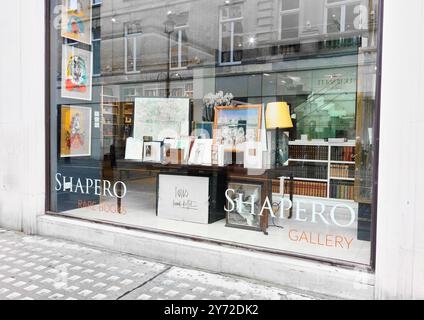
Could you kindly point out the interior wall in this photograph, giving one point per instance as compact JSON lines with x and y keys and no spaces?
{"x":22,"y":120}
{"x":400,"y":243}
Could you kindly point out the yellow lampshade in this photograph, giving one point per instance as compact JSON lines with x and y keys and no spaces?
{"x":278,"y":116}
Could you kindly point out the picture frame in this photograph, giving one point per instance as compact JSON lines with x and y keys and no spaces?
{"x":152,"y":152}
{"x":77,"y":73}
{"x":240,"y":217}
{"x":75,"y":131}
{"x":77,"y":20}
{"x":168,"y":145}
{"x":162,"y":118}
{"x":253,"y":155}
{"x":184,"y":198}
{"x":134,"y":149}
{"x":234,"y":126}
{"x":202,"y":130}
{"x":201,"y":152}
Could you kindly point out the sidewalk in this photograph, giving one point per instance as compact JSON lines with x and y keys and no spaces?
{"x":36,"y":268}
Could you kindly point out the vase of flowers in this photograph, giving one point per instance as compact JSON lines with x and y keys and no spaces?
{"x":210,"y":101}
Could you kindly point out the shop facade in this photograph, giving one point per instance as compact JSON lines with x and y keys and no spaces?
{"x":244,"y":137}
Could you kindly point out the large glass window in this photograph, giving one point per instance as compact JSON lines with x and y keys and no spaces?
{"x":198,"y":119}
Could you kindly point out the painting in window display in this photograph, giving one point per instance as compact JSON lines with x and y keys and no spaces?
{"x":161,"y":118}
{"x":245,"y":205}
{"x":234,"y":126}
{"x":76,"y":73}
{"x":76,"y":20}
{"x":75,"y":132}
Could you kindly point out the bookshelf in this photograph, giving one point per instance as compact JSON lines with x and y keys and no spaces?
{"x":116,"y":120}
{"x":323,"y":169}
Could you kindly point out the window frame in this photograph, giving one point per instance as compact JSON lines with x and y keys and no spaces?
{"x":343,"y":5}
{"x":232,"y":21}
{"x":50,"y":82}
{"x":131,"y":37}
{"x":180,"y":30}
{"x":283,"y":13}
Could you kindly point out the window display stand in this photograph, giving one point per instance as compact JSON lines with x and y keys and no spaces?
{"x":220,"y":178}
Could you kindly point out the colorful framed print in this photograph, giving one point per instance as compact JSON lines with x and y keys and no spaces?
{"x":75,"y":132}
{"x":77,"y":73}
{"x":234,"y":126}
{"x":77,"y":20}
{"x":162,"y":118}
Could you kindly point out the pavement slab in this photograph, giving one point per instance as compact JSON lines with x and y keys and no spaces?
{"x":39,"y":268}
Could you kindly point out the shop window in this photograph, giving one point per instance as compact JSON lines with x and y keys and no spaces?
{"x":276,"y":154}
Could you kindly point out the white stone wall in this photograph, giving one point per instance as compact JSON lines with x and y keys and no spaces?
{"x":22,"y":171}
{"x":400,"y":244}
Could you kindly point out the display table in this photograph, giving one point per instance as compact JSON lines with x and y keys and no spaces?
{"x":219,"y":179}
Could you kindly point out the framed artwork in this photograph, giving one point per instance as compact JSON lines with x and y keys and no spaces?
{"x":243,"y":196}
{"x":77,"y":70}
{"x":134,"y":149}
{"x":77,"y":20}
{"x":75,"y":132}
{"x":235,"y":126}
{"x":168,"y":145}
{"x":253,"y":155}
{"x":162,"y":118}
{"x":201,"y":153}
{"x":183,"y":198}
{"x":152,"y":152}
{"x":202,"y":130}
{"x":184,"y":144}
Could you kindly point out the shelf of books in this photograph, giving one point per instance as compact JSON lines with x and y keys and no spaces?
{"x":110,"y":118}
{"x":322,"y":169}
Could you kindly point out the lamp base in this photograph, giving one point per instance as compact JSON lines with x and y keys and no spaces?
{"x":281,"y":148}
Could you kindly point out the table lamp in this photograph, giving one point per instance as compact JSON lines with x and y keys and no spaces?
{"x":277,"y":118}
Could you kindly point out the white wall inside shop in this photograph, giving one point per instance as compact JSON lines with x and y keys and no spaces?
{"x":22,"y":120}
{"x":400,"y":243}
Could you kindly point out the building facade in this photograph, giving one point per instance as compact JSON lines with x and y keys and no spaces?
{"x":221,"y":135}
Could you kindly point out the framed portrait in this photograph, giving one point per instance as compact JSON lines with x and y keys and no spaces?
{"x":77,"y":71}
{"x":152,"y":152}
{"x":77,"y":20}
{"x":235,"y":126}
{"x":75,"y":131}
{"x":162,"y":118}
{"x":247,"y":198}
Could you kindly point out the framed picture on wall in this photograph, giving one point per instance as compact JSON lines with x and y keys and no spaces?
{"x":77,"y":20}
{"x":77,"y":71}
{"x":75,"y":131}
{"x":245,"y":205}
{"x":234,"y":126}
